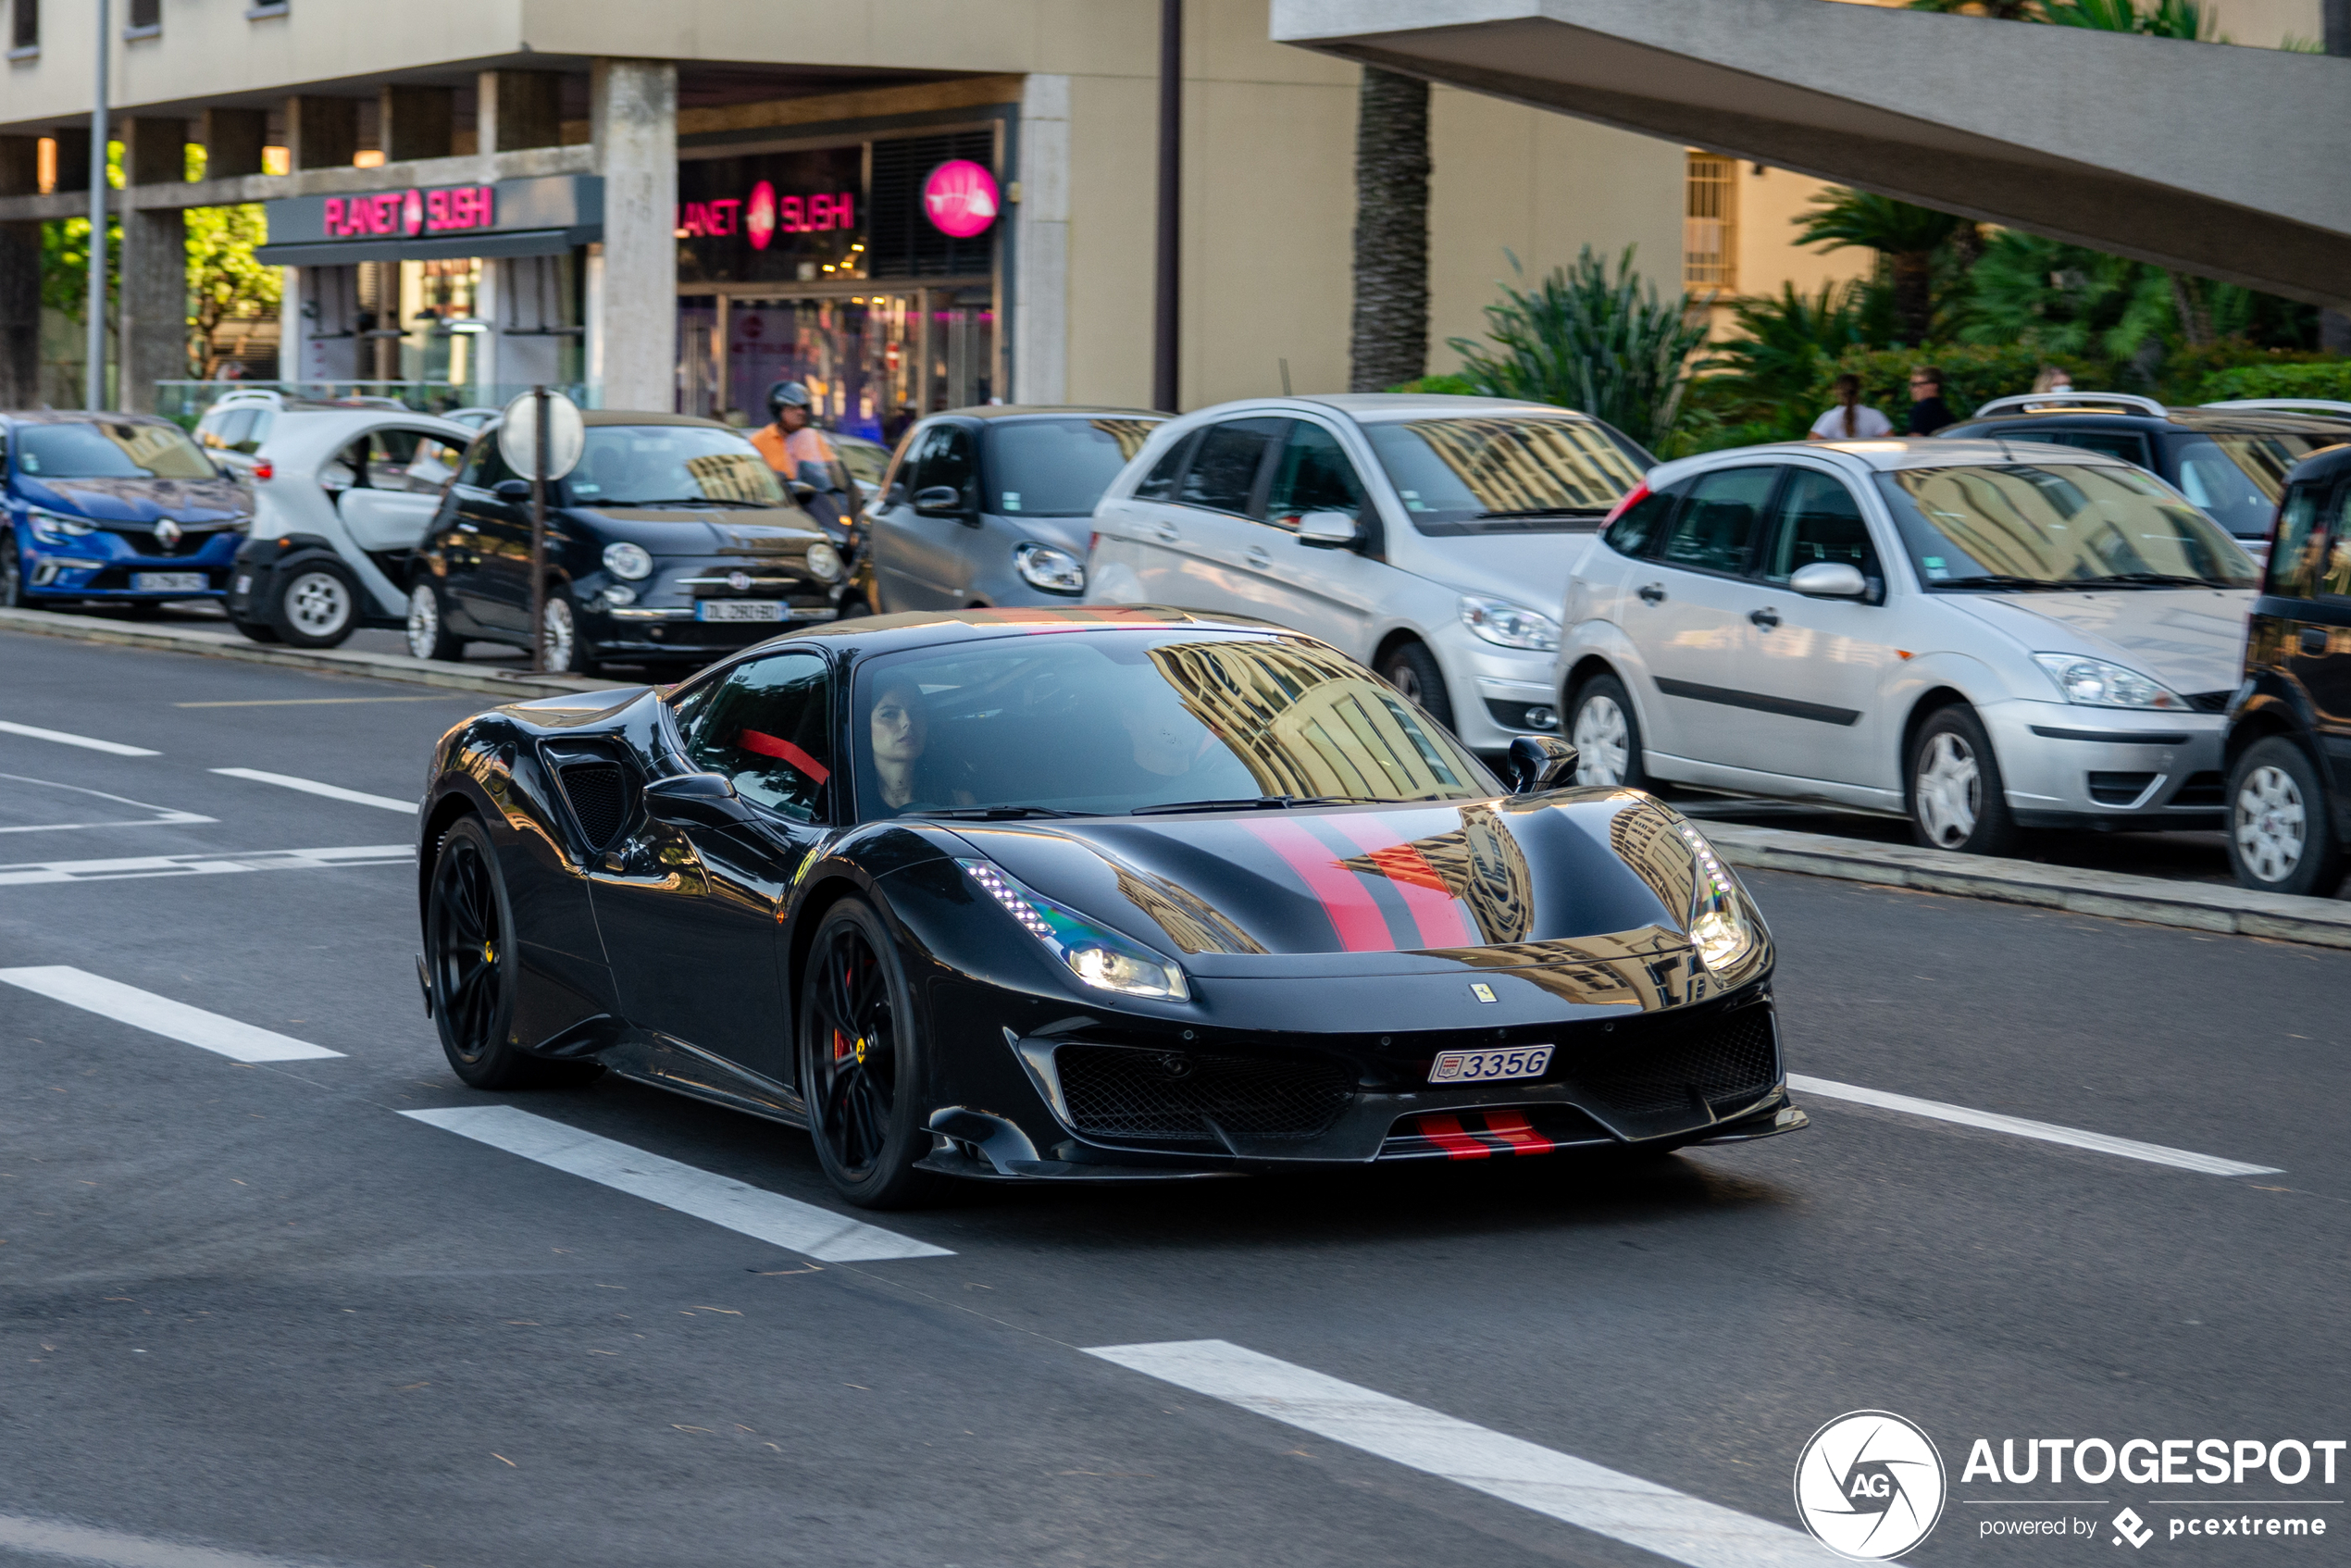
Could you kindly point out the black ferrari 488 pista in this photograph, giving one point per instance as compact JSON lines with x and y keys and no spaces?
{"x":1084,"y":894}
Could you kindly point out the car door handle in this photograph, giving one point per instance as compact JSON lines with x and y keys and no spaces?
{"x":2314,"y":641}
{"x":1168,"y":534}
{"x":467,"y":527}
{"x":1258,"y":558}
{"x":1766,"y":617}
{"x":1653,"y":594}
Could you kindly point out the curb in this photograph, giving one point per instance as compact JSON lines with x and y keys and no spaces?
{"x":333,"y":661}
{"x":2197,"y":906}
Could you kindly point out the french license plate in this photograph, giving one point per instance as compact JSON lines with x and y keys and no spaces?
{"x":169,"y":583}
{"x":739,"y":610}
{"x":1490,"y":1066}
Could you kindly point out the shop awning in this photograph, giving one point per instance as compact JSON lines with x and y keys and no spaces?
{"x":440,"y":247}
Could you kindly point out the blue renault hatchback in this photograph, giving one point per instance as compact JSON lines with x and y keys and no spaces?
{"x":112,"y":508}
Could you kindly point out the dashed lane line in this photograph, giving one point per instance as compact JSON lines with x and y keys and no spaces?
{"x":312,"y":787}
{"x":62,"y":739}
{"x":29,"y":873}
{"x":749,"y":1210}
{"x":1673,"y":1525}
{"x":161,"y":1015}
{"x":2046,"y":1132}
{"x":61,"y":1540}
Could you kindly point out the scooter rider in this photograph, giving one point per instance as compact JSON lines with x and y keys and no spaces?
{"x":797,"y":450}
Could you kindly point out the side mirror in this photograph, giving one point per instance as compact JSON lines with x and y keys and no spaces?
{"x":695,"y":800}
{"x":1538,"y":763}
{"x":1329,"y":531}
{"x":1830,"y":580}
{"x":939,"y":501}
{"x":512,"y":491}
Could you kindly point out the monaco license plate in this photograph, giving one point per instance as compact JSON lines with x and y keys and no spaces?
{"x":169,"y":583}
{"x":1490,"y":1066}
{"x":739,"y":610}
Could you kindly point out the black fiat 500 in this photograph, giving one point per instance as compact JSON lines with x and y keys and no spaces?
{"x":1074,"y":895}
{"x":671,"y":542}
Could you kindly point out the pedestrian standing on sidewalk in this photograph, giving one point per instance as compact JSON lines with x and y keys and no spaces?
{"x":1850,"y":420}
{"x":1929,"y":413}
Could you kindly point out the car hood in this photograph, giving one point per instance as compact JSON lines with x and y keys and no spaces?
{"x":2190,"y":639}
{"x":138,"y":501}
{"x":1529,"y":880}
{"x":665,"y":531}
{"x":1526,"y":568}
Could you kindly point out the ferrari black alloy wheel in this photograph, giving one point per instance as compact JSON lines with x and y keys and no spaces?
{"x":471,"y":938}
{"x":860,"y":1041}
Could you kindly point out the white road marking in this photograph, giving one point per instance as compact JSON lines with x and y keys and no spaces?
{"x":160,"y":1014}
{"x":118,"y":1549}
{"x":2047,"y":1132}
{"x":768,"y":1216}
{"x":1607,"y":1502}
{"x":62,"y":739}
{"x":163,"y":815}
{"x":312,"y":787}
{"x":30,"y":872}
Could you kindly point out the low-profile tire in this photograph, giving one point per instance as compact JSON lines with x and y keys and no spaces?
{"x":1414,"y":672}
{"x":862,"y":1065}
{"x":1956,"y":798}
{"x":11,"y":573}
{"x":1606,"y":734}
{"x":2282,"y":836}
{"x":473,"y":962}
{"x":317,"y":604}
{"x":257,"y":631}
{"x":428,"y":633}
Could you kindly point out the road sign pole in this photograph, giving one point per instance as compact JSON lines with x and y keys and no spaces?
{"x":539,"y":532}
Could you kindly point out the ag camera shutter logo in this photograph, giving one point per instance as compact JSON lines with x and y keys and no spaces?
{"x":1870,"y":1485}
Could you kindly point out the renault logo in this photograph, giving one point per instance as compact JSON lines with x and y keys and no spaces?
{"x":168,"y":534}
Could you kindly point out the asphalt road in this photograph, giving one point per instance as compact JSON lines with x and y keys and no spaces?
{"x":251,"y":1313}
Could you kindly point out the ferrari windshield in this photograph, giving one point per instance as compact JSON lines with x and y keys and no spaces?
{"x":2056,"y":525}
{"x":1104,"y":723}
{"x":671,"y":465}
{"x":1503,"y":472}
{"x":106,"y":451}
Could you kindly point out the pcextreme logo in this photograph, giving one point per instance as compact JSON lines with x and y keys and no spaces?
{"x":1870,"y":1485}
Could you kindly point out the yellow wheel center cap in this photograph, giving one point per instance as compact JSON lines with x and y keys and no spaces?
{"x":861,"y":1051}
{"x":489,"y":955}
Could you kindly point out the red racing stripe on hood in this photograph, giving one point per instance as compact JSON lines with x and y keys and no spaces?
{"x":1431,"y":902}
{"x":1355,"y":915}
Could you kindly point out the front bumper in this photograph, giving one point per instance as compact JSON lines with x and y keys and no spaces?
{"x":1498,"y":693}
{"x":2066,"y":765}
{"x":68,"y":572}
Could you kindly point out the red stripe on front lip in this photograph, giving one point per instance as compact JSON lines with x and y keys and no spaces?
{"x":782,"y":751}
{"x":1447,"y":1134}
{"x":1357,"y":919}
{"x":1512,"y":1128}
{"x":1426,"y":895}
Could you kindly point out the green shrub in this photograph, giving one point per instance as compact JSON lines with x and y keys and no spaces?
{"x":2323,"y":378}
{"x":1449,"y":386}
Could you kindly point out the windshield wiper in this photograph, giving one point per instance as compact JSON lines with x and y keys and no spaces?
{"x":1244,"y":802}
{"x":1544,"y":512}
{"x":1998,"y":579}
{"x":2152,"y":579}
{"x":996,"y":814}
{"x":692,"y":501}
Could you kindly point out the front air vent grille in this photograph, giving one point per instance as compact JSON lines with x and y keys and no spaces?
{"x":2211,"y":701}
{"x":2118,"y":789}
{"x":1132,"y":1093}
{"x":599,"y":798}
{"x":1728,"y":1061}
{"x":2205,"y":788}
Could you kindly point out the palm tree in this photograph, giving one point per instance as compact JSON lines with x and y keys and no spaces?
{"x":1389,"y":343}
{"x":1905,"y":235}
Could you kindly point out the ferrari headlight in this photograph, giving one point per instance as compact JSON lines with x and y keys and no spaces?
{"x":1053,"y":570}
{"x":824,"y":562}
{"x":1721,"y":926}
{"x":1101,"y":958}
{"x":628,"y":561}
{"x":2096,"y":684}
{"x":1510,"y":626}
{"x":51,"y":528}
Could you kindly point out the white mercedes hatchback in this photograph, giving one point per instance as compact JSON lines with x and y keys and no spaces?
{"x":1428,"y":535}
{"x":1980,"y":635}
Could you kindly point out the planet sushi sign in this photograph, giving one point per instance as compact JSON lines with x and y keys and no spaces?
{"x":959,"y":198}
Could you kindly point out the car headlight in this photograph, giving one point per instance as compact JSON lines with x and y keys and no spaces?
{"x":1510,"y":626}
{"x":2096,"y":684}
{"x":1049,"y":568}
{"x":824,"y":562}
{"x":51,"y":528}
{"x":1721,"y":927}
{"x":1103,"y":958}
{"x":630,"y":561}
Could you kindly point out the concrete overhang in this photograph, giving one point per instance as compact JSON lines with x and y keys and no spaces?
{"x":2233,"y":163}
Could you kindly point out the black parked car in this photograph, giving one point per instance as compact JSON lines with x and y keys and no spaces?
{"x":671,"y":542}
{"x":2231,"y":462}
{"x":2288,"y":750}
{"x":1071,"y":894}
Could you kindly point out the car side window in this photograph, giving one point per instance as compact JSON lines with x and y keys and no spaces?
{"x":485,"y":467}
{"x":1159,"y":483}
{"x":949,"y":461}
{"x":1637,"y":527}
{"x":1717,"y":528}
{"x":1312,"y":475}
{"x":764,"y":726}
{"x":2129,"y":445}
{"x":410,"y":460}
{"x":346,"y":468}
{"x":2334,"y":580}
{"x":1223,"y":472}
{"x":2301,"y":543}
{"x":1819,"y":521}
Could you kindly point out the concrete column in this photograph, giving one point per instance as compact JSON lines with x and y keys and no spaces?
{"x":518,"y":108}
{"x":233,"y":142}
{"x":416,"y":122}
{"x":154,"y":152}
{"x":293,"y":328}
{"x":19,"y":278}
{"x":152,"y":306}
{"x":1040,"y":290}
{"x":635,"y":127}
{"x":322,"y":132}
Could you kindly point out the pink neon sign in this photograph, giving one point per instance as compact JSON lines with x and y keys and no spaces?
{"x":959,"y":197}
{"x":412,"y":212}
{"x":764,"y":214}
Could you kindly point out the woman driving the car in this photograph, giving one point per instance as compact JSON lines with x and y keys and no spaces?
{"x":899,"y":730}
